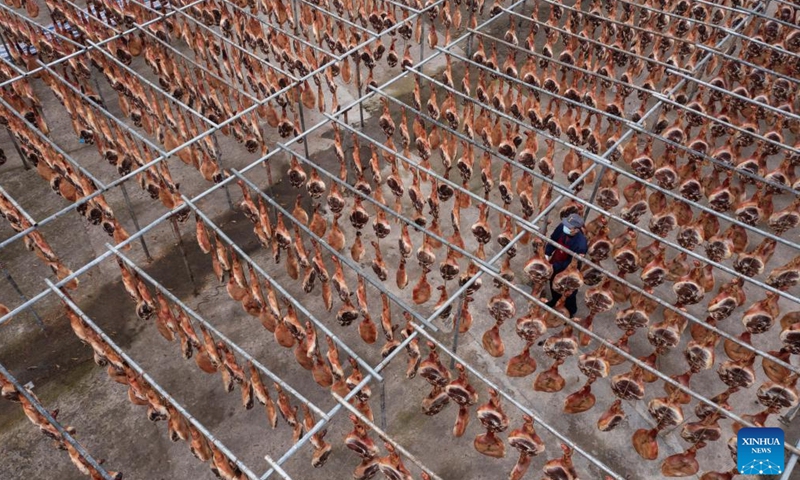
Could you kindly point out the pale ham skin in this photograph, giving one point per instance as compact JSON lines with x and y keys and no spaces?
{"x":432,"y":369}
{"x":729,"y":475}
{"x":561,"y":468}
{"x":338,"y":280}
{"x":492,"y":341}
{"x":322,"y":449}
{"x":786,"y":276}
{"x":392,"y":465}
{"x":682,"y":464}
{"x":460,"y":389}
{"x":359,"y":441}
{"x":761,"y":316}
{"x":753,"y":263}
{"x":422,"y":290}
{"x":785,"y":219}
{"x":262,"y":395}
{"x":288,"y":413}
{"x":612,"y":417}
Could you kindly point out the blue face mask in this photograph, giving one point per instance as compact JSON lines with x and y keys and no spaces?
{"x":567,"y":231}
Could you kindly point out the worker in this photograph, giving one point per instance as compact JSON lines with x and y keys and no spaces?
{"x":570,"y":235}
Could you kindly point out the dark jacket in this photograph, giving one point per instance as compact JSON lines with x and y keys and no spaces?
{"x":577,"y":243}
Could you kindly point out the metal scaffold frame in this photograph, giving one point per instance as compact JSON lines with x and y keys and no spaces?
{"x":424,"y":324}
{"x":66,"y":436}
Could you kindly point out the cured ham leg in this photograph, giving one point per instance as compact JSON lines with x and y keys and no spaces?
{"x":493,"y":418}
{"x":528,"y":443}
{"x":464,"y":394}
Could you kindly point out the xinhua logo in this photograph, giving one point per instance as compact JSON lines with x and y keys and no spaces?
{"x":759,"y":451}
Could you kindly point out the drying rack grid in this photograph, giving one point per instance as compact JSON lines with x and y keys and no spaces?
{"x":619,"y":140}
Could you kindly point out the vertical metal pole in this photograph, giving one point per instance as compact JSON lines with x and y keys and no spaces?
{"x":300,"y":109}
{"x":177,"y":232}
{"x":789,"y":416}
{"x":135,"y":221}
{"x":24,"y":298}
{"x":456,"y":327}
{"x":19,"y":150}
{"x":469,"y":37}
{"x":99,"y":92}
{"x":787,"y":473}
{"x":346,"y":112}
{"x":40,"y":111}
{"x":301,"y":112}
{"x":421,"y":18}
{"x":358,"y":85}
{"x":383,"y":405}
{"x":219,"y":162}
{"x":594,"y":191}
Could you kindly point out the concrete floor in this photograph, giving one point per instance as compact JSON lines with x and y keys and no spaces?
{"x":65,"y":377}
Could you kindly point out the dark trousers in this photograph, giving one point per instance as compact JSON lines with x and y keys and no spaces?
{"x":571,"y":302}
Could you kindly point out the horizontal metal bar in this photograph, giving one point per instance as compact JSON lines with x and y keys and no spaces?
{"x":34,"y":402}
{"x":101,"y":109}
{"x":528,"y":226}
{"x":161,"y":42}
{"x":405,"y":6}
{"x":376,"y":203}
{"x":15,"y":204}
{"x":653,"y":371}
{"x":645,"y":232}
{"x":337,"y":17}
{"x":208,"y":191}
{"x":629,"y":123}
{"x":611,"y":21}
{"x":784,"y":2}
{"x":593,"y":41}
{"x":536,"y":417}
{"x":430,"y":172}
{"x":147,"y":378}
{"x":214,"y":330}
{"x":770,"y":46}
{"x":114,"y":59}
{"x":683,"y":73}
{"x":85,"y":49}
{"x":297,"y":304}
{"x":228,"y":122}
{"x":342,"y":258}
{"x":10,"y":62}
{"x":747,"y":11}
{"x":670,"y":14}
{"x":35,"y":130}
{"x":277,"y":468}
{"x":621,"y":171}
{"x":385,"y":436}
{"x":239,"y":47}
